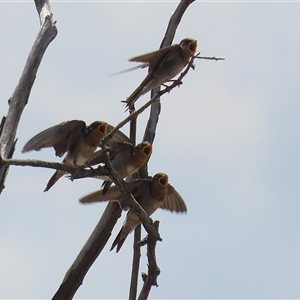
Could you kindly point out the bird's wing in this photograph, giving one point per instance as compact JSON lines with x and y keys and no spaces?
{"x":60,"y":137}
{"x":144,"y":65}
{"x":155,"y":57}
{"x":119,"y":136}
{"x":173,"y":201}
{"x":113,"y":194}
{"x":96,"y":158}
{"x":120,"y":149}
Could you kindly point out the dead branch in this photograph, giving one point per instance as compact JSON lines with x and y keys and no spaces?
{"x":74,"y":277}
{"x":209,"y":57}
{"x":76,"y":172}
{"x":134,"y":114}
{"x":89,"y":253}
{"x":20,"y":96}
{"x":150,"y":279}
{"x":150,"y":130}
{"x":135,"y":263}
{"x":128,"y":197}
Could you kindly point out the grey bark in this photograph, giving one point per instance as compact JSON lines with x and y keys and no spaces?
{"x":19,"y":98}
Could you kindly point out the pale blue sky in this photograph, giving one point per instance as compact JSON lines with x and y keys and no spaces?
{"x":228,"y":138}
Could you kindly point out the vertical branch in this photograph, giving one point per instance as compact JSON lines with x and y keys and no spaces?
{"x":20,"y":96}
{"x":135,"y":263}
{"x":137,"y":231}
{"x":149,"y":135}
{"x":150,"y":279}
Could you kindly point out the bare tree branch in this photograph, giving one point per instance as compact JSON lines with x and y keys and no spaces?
{"x":74,"y":277}
{"x":135,"y":263}
{"x":20,"y":96}
{"x":94,"y":245}
{"x":129,"y":199}
{"x":76,"y":172}
{"x":150,"y":279}
{"x":210,"y":57}
{"x":134,"y":114}
{"x":89,"y":253}
{"x":44,"y":9}
{"x":149,"y":136}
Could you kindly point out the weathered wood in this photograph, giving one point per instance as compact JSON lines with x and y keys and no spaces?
{"x":19,"y":98}
{"x":89,"y":253}
{"x":149,"y":134}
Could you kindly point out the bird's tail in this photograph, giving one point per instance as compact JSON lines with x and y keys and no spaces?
{"x":105,"y":186}
{"x":138,"y":92}
{"x":53,"y":179}
{"x":119,"y":240}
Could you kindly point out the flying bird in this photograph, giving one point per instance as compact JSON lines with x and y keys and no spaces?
{"x":125,"y":158}
{"x":163,"y":64}
{"x":76,"y":139}
{"x":151,"y":194}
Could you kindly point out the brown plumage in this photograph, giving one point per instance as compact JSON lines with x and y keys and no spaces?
{"x":150,"y":193}
{"x":126,"y":159}
{"x":76,"y":139}
{"x":164,"y":64}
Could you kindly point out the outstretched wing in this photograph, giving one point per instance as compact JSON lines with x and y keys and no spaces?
{"x":119,"y":149}
{"x":156,"y":57}
{"x":60,"y":137}
{"x":173,"y":201}
{"x":113,"y":194}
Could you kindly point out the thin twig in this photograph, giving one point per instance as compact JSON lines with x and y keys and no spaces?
{"x":175,"y":83}
{"x":209,"y":57}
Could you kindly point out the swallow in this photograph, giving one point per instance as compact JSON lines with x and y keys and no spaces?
{"x":151,"y":194}
{"x":74,"y":137}
{"x":125,"y":158}
{"x":163,"y":64}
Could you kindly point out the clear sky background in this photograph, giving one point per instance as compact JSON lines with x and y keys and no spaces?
{"x":228,"y":138}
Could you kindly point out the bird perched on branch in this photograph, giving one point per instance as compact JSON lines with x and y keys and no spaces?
{"x":163,"y":64}
{"x":125,"y":158}
{"x":74,"y":137}
{"x":151,"y":194}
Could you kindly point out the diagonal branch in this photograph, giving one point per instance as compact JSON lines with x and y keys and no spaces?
{"x":134,"y":114}
{"x":20,"y":96}
{"x":149,"y":134}
{"x":98,"y":239}
{"x":89,"y":253}
{"x":128,"y":197}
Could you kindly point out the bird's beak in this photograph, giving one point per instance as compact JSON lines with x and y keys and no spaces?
{"x":164,"y":180}
{"x":148,"y":149}
{"x":102,"y":128}
{"x":193,"y":46}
